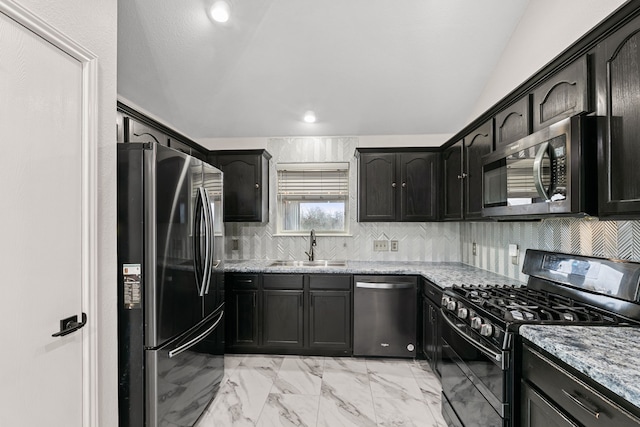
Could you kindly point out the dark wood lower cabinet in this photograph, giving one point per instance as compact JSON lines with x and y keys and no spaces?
{"x":244,"y":323}
{"x":289,"y":313}
{"x":241,"y":318}
{"x":554,"y":394}
{"x":539,"y":412}
{"x":330,"y":320}
{"x":282,"y":318}
{"x":431,"y":343}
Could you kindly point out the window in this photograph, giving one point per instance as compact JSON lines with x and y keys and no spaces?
{"x":313,"y":196}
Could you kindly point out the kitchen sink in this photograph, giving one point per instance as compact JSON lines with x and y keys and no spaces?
{"x":318,"y":263}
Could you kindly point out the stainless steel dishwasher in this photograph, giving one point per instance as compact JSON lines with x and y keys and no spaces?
{"x":384,"y":316}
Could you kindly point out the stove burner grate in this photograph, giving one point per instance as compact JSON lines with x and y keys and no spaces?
{"x":513,"y":304}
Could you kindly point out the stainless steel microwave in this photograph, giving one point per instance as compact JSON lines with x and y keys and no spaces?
{"x":552,"y":171}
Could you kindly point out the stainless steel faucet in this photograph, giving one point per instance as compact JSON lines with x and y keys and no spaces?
{"x":312,"y":244}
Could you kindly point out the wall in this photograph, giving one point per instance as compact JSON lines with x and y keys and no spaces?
{"x":546,"y":29}
{"x":417,"y":241}
{"x":93,"y":24}
{"x":433,"y":140}
{"x":609,"y":239}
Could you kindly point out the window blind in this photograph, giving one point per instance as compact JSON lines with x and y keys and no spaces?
{"x":319,"y":181}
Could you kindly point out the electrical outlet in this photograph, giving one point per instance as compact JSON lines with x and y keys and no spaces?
{"x":475,"y":249}
{"x":380,"y":245}
{"x":235,"y":244}
{"x":394,"y":245}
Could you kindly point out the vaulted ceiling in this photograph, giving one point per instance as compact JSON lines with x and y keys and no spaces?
{"x":366,"y":67}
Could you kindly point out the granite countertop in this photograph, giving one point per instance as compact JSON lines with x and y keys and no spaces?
{"x":443,"y":274}
{"x":608,"y":355}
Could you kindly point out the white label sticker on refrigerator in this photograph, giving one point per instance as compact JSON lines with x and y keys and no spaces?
{"x":131,"y":273}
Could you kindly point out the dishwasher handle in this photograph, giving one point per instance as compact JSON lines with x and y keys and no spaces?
{"x":373,"y":285}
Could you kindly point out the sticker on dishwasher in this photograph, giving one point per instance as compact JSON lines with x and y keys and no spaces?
{"x":132,"y":291}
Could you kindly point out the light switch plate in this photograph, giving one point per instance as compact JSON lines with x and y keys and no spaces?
{"x":513,"y":253}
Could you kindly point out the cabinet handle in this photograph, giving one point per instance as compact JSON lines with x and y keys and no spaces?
{"x":404,"y":185}
{"x":580,"y":403}
{"x":393,"y":184}
{"x":244,"y":281}
{"x":257,"y":186}
{"x":463,"y":176}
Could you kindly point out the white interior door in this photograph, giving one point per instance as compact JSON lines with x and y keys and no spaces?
{"x":43,"y":227}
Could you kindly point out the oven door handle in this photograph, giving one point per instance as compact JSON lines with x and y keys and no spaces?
{"x":483,"y":348}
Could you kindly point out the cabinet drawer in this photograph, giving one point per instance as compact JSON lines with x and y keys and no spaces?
{"x":431,"y":291}
{"x":575,"y":397}
{"x":243,"y":281}
{"x":330,"y":281}
{"x":282,"y":281}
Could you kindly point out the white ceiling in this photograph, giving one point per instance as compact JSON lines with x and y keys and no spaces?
{"x":366,"y":67}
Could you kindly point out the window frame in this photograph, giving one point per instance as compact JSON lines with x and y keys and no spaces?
{"x":343,"y":168}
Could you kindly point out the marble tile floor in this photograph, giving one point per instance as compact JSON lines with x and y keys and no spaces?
{"x":293,"y":391}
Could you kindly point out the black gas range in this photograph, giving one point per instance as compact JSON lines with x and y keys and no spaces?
{"x":480,"y":340}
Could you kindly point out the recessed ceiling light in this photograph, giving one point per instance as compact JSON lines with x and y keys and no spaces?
{"x":310,"y":117}
{"x":220,"y":11}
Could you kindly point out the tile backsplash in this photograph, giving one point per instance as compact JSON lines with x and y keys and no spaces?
{"x":417,"y":241}
{"x":608,"y":239}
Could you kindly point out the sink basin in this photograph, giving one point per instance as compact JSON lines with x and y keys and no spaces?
{"x":317,"y":263}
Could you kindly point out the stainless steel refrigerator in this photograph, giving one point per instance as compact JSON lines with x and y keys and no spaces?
{"x":170,"y":286}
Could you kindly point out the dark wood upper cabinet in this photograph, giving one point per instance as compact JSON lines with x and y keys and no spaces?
{"x":453,"y":182}
{"x":399,"y":186}
{"x":618,"y":71}
{"x":476,"y":144}
{"x":514,"y":122}
{"x":563,"y":95}
{"x":378,"y":186}
{"x":246,"y":184}
{"x":418,"y":186}
{"x":134,"y":131}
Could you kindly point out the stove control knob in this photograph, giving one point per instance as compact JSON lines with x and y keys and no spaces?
{"x":463,"y":313}
{"x":486,"y":330}
{"x":452,"y":304}
{"x":444,"y":301}
{"x":476,"y":322}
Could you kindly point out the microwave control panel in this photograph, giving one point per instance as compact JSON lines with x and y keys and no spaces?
{"x":558,"y":154}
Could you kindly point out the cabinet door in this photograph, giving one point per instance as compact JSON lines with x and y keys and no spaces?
{"x":242,"y":187}
{"x":330,"y":320}
{"x":513,"y":123}
{"x":282,"y":320}
{"x":418,"y":186}
{"x":134,"y":131}
{"x":476,"y":145}
{"x":426,"y":328}
{"x":243,"y":319}
{"x":453,"y":180}
{"x":435,"y":346}
{"x":619,"y":155}
{"x":563,"y":95}
{"x":377,"y":187}
{"x":536,"y":411}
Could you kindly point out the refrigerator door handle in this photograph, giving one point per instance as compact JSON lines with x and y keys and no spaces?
{"x":209,"y":239}
{"x":186,"y":346}
{"x":207,"y":236}
{"x":197,"y":236}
